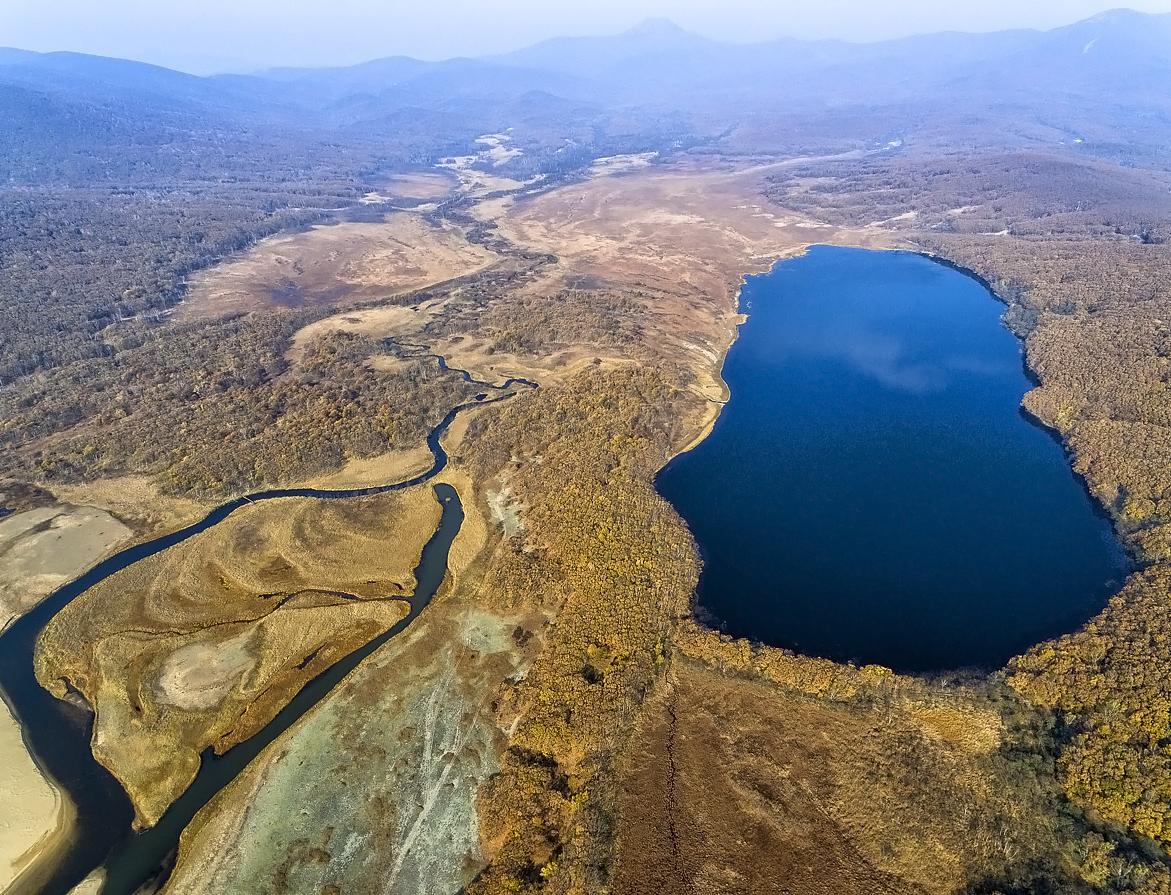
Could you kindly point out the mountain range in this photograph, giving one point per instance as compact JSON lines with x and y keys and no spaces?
{"x":1085,"y":81}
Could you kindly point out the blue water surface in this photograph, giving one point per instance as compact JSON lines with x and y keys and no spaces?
{"x":873,"y":491}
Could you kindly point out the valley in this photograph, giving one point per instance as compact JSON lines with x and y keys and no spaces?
{"x":333,"y":555}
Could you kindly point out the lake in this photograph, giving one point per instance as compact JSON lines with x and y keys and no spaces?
{"x":872,"y":491}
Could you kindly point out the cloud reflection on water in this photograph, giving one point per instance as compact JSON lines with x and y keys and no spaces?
{"x":897,"y":363}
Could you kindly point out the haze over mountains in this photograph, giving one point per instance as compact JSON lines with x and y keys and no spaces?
{"x":651,"y":84}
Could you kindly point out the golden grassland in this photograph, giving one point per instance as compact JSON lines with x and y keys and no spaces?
{"x":967,"y":768}
{"x":924,"y":787}
{"x":392,"y":758}
{"x":598,"y":607}
{"x":628,"y":716}
{"x":137,"y":501}
{"x":612,"y":744}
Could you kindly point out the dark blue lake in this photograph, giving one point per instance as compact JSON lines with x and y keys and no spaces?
{"x":873,"y":491}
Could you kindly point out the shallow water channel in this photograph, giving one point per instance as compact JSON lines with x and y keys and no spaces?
{"x":57,"y":732}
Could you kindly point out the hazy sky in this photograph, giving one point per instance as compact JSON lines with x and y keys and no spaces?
{"x":210,"y":35}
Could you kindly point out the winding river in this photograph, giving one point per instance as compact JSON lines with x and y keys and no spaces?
{"x":58,"y":732}
{"x":872,"y":490}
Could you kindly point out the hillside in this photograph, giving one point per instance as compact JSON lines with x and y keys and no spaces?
{"x":1013,"y":87}
{"x":358,"y":384}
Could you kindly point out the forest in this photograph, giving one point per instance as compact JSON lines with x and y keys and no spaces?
{"x":624,"y":712}
{"x":184,"y":407}
{"x":89,"y":272}
{"x":1078,"y":252}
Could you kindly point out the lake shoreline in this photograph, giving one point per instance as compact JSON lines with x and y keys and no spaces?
{"x":1025,"y":572}
{"x":1135,"y":560}
{"x":716,"y":405}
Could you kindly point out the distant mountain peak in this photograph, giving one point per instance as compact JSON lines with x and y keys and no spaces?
{"x":1121,"y":14}
{"x":656,"y":27}
{"x":1127,"y":21}
{"x":1128,"y":33}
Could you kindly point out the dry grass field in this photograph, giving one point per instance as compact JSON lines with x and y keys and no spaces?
{"x":201,"y":644}
{"x":585,"y":734}
{"x":344,"y":263}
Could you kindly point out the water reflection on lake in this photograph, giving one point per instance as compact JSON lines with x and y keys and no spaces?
{"x":872,"y":491}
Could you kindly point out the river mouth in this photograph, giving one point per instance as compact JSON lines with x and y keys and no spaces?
{"x":872,"y":491}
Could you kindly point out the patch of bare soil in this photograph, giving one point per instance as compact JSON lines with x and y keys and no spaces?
{"x":37,"y":818}
{"x":419,"y":185}
{"x":338,"y":264}
{"x":45,"y":547}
